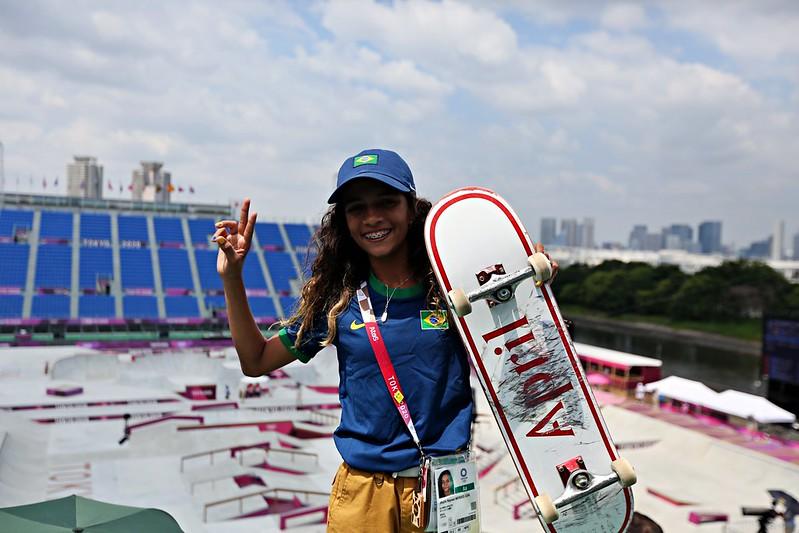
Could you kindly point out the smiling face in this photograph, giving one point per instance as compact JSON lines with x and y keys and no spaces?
{"x":378,"y":218}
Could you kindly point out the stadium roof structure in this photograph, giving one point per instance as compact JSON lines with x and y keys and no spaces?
{"x":43,"y":200}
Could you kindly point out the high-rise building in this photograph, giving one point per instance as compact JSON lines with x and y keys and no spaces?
{"x":710,"y":237}
{"x":568,"y":228}
{"x":85,"y":177}
{"x":641,"y":239}
{"x":678,"y":237}
{"x":758,"y":249}
{"x":796,"y":246}
{"x":585,"y":236}
{"x":637,"y":237}
{"x":549,"y":230}
{"x":778,"y":242}
{"x":151,"y":184}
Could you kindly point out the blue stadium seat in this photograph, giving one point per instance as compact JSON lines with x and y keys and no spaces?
{"x":95,"y":226}
{"x":56,"y":225}
{"x":14,"y":264}
{"x":96,"y":306}
{"x":201,"y":230}
{"x":11,"y":219}
{"x":215,"y":302}
{"x":50,"y":306}
{"x":253,"y":275}
{"x":54,"y":266}
{"x":206,"y":268}
{"x":287,"y":302}
{"x":269,"y":236}
{"x":95,"y":262}
{"x":175,"y":270}
{"x":132,"y":228}
{"x":281,"y":268}
{"x":11,"y":305}
{"x":298,"y":234}
{"x":168,"y":230}
{"x":181,"y":306}
{"x":137,"y":268}
{"x":262,"y":307}
{"x":135,"y":306}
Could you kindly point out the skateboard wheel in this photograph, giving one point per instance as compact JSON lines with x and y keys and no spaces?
{"x":459,"y":302}
{"x":541,"y":266}
{"x":546,"y":508}
{"x":625,"y":471}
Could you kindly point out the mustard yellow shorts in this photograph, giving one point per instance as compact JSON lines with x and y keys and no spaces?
{"x":373,"y":502}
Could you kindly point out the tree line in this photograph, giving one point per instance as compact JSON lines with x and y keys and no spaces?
{"x":731,"y":291}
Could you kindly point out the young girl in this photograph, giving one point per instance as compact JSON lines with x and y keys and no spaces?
{"x":373,"y":233}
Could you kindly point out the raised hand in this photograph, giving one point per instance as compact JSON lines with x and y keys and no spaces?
{"x":234,"y":239}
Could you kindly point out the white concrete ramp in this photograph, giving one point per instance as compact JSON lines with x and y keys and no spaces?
{"x":688,"y":466}
{"x":23,"y":461}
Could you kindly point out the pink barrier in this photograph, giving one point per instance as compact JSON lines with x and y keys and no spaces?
{"x":233,"y":405}
{"x":517,"y":508}
{"x":702,"y":518}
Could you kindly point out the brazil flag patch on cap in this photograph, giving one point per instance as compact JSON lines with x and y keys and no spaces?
{"x":434,"y":319}
{"x":368,"y":159}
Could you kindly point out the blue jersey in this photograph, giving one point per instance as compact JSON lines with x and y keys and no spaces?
{"x":432,"y":368}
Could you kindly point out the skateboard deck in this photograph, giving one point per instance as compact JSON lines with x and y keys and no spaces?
{"x":526,"y":362}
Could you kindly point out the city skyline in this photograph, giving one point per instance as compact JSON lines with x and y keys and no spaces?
{"x":620,"y":112}
{"x":705,"y":237}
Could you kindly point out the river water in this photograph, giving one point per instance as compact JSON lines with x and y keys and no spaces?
{"x":717,"y":368}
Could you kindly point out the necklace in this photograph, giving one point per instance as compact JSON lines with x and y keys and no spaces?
{"x":384,"y":316}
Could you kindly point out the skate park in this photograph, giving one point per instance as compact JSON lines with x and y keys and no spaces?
{"x":230,"y":465}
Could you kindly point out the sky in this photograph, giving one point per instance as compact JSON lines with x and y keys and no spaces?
{"x":630,"y":113}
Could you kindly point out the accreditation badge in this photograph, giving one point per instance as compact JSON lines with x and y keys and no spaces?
{"x":456,"y":506}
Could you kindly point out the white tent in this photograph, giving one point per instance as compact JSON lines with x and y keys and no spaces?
{"x":684,"y":390}
{"x":747,"y":406}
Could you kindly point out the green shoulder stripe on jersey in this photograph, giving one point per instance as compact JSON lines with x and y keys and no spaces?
{"x":284,"y":338}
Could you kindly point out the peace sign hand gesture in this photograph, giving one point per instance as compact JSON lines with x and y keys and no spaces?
{"x":234,"y":239}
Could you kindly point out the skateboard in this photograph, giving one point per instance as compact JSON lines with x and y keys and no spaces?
{"x":526,"y":363}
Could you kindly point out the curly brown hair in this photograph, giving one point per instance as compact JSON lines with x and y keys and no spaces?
{"x":341,"y":266}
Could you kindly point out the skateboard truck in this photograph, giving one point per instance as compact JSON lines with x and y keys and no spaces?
{"x":501,"y":295}
{"x":499,"y":287}
{"x":579,"y":482}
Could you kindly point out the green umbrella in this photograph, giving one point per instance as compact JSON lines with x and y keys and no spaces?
{"x":75,"y":514}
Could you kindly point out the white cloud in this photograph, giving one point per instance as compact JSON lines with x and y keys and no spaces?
{"x":623,"y":17}
{"x":764,"y":30}
{"x":265,"y":100}
{"x":349,"y":64}
{"x":444,"y":30}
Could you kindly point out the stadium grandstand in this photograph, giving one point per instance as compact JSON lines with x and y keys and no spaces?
{"x":85,"y":270}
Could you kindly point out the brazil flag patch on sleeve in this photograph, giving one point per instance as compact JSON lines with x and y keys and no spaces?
{"x":434,"y":319}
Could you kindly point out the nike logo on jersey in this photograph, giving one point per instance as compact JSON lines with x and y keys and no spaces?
{"x":355,"y":326}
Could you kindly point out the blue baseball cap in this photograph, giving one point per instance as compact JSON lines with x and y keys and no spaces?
{"x":382,"y":165}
